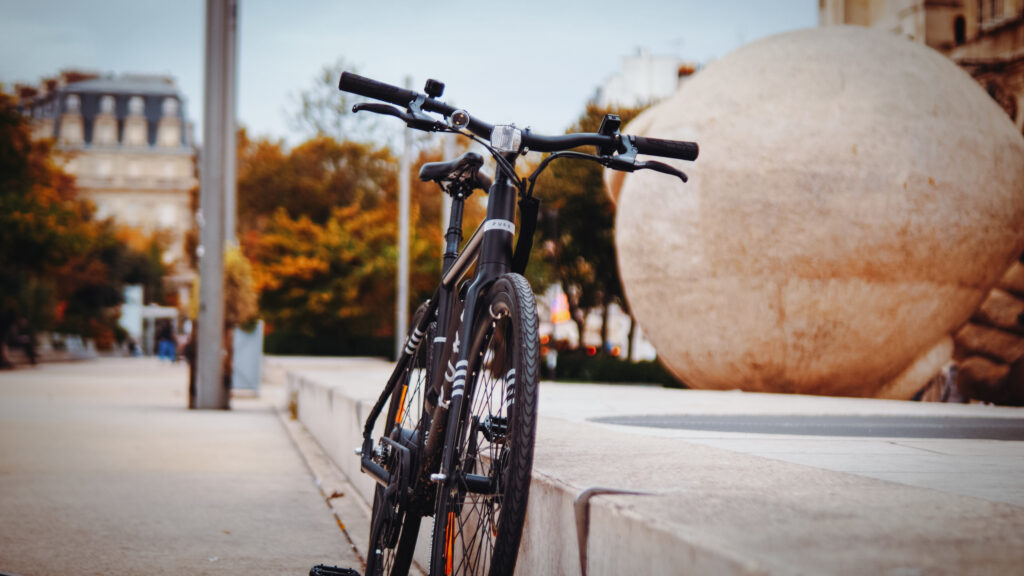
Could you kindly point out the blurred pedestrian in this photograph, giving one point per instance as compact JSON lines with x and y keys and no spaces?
{"x":166,"y":346}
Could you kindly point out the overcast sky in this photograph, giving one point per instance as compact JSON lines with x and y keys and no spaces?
{"x":531,"y":62}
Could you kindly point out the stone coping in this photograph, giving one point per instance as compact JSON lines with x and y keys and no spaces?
{"x":649,"y":501}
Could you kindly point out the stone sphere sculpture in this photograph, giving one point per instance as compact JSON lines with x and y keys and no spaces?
{"x":856,"y":197}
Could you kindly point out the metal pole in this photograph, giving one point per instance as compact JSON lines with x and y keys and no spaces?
{"x":230,"y":143}
{"x":402,"y":302}
{"x":210,"y":393}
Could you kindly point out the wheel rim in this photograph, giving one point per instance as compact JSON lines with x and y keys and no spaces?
{"x":484,"y":447}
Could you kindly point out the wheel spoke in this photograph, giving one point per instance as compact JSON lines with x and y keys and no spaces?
{"x":477,"y":524}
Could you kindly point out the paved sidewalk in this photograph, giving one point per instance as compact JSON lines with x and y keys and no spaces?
{"x":104,"y":471}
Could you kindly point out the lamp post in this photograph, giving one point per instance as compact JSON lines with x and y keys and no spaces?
{"x":402,"y":300}
{"x":215,"y":171}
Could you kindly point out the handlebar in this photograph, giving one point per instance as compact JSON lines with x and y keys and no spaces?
{"x":667,"y":148}
{"x":370,"y":88}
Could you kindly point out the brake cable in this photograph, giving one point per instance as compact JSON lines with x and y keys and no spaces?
{"x":544,"y":164}
{"x":625,"y":162}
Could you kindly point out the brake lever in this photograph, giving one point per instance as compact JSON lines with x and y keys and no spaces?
{"x":378,"y":109}
{"x":426,"y":123}
{"x":631,"y":164}
{"x":661,"y":167}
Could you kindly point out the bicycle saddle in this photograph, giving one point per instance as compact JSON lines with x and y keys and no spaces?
{"x":465,"y":170}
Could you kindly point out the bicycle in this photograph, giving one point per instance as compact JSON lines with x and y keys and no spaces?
{"x":473,"y":348}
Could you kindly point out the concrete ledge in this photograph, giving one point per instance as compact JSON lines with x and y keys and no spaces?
{"x":723,"y":503}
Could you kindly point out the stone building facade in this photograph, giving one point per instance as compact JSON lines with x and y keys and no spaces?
{"x":985,"y":37}
{"x":127,"y":141}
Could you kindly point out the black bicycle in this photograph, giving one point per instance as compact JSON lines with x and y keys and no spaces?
{"x":457,"y":439}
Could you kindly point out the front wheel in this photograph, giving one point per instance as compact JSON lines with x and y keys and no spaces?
{"x":479,"y":520}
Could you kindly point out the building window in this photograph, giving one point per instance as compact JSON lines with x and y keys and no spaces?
{"x":72,"y":131}
{"x":72,"y":103}
{"x":136,"y":106}
{"x":167,"y":215}
{"x":105,"y":133}
{"x":990,"y":11}
{"x":959,"y":30}
{"x":170,"y":106}
{"x":130,"y":212}
{"x":135,"y":133}
{"x":169,"y":135}
{"x":107,"y":104}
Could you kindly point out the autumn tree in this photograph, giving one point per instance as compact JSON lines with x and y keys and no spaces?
{"x":90,"y":283}
{"x":320,"y":225}
{"x":60,"y":268}
{"x":329,"y":288}
{"x":311,"y":179}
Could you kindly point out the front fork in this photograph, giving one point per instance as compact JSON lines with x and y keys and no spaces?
{"x":495,"y":260}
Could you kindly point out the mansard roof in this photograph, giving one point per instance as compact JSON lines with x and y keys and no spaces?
{"x":142,"y":84}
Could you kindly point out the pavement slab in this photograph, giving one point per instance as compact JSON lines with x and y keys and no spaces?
{"x":103,"y":470}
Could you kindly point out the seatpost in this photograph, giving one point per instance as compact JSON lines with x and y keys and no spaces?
{"x":452,"y":239}
{"x":453,"y":236}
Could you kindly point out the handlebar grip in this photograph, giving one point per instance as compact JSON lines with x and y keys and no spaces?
{"x":363,"y":86}
{"x":667,"y":148}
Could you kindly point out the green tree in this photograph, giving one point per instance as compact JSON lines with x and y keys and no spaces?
{"x":578,"y":237}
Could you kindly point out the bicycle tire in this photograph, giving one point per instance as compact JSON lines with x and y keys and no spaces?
{"x":480,"y":533}
{"x":408,"y":396}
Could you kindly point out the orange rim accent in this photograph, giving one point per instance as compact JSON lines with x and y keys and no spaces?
{"x":449,"y":541}
{"x":401,"y":405}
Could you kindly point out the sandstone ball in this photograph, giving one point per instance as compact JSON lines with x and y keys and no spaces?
{"x":856,"y":197}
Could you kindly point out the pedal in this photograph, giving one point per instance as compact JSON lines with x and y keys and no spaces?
{"x":321,"y":570}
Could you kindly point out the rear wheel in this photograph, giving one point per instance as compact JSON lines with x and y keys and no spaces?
{"x":479,"y":520}
{"x":394,"y":526}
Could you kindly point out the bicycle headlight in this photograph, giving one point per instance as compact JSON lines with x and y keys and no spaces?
{"x":506,"y":138}
{"x":459,"y":119}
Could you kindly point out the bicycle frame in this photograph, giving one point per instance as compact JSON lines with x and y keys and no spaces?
{"x":425,"y":460}
{"x":490,"y":249}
